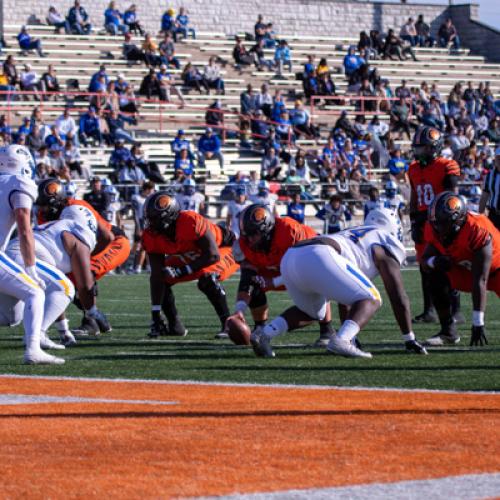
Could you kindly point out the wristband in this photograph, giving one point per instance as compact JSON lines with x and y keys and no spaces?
{"x":431,"y":262}
{"x":155,"y":308}
{"x":187,"y":269}
{"x":278,"y":281}
{"x":240,"y":306}
{"x":478,"y":318}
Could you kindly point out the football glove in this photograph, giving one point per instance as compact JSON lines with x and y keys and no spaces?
{"x":32,"y":273}
{"x":176,"y":272}
{"x":478,"y":336}
{"x":415,"y":347}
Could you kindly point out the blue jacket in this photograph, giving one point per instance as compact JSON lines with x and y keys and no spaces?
{"x":282,"y":54}
{"x":88,"y":124}
{"x":167,"y":22}
{"x":397,"y":165}
{"x":72,"y":14}
{"x":296,"y":211}
{"x":187,"y":165}
{"x":112,"y":16}
{"x":183,"y":20}
{"x":352,"y":63}
{"x":129,"y":17}
{"x":209,"y":144}
{"x":119,"y":157}
{"x":24,"y":40}
{"x":178,"y":145}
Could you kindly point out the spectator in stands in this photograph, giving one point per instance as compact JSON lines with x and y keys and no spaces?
{"x":167,"y":84}
{"x":96,"y":83}
{"x":54,"y":138}
{"x":49,"y":81}
{"x":27,"y":43}
{"x":29,"y":81}
{"x":335,"y":215}
{"x":264,"y":100}
{"x":194,"y":79}
{"x":301,"y":121}
{"x":151,"y":87}
{"x":130,"y":173}
{"x":5,"y":130}
{"x":150,"y":168}
{"x":113,"y":20}
{"x":184,"y":164}
{"x":295,"y":209}
{"x":472,"y":99}
{"x":25,"y":127}
{"x":260,"y":28}
{"x":168,"y":22}
{"x":54,"y":18}
{"x":424,"y":38}
{"x":212,"y":76}
{"x":309,"y":66}
{"x":409,"y":32}
{"x":116,"y":124}
{"x":394,"y":46}
{"x":447,"y":34}
{"x":260,"y":57}
{"x":73,"y":159}
{"x":241,"y":55}
{"x":130,"y":51}
{"x":352,"y":62}
{"x":377,"y":42}
{"x":378,"y":128}
{"x":259,"y":128}
{"x":248,"y":101}
{"x":398,"y":165}
{"x":182,"y":25}
{"x":120,"y":156}
{"x":79,"y":20}
{"x":284,"y":129}
{"x":131,"y":20}
{"x":150,"y":51}
{"x":180,"y":143}
{"x":343,"y":123}
{"x":10,"y":70}
{"x":433,"y":116}
{"x":209,"y":147}
{"x":34,"y":139}
{"x":283,"y":57}
{"x":270,"y":166}
{"x":97,"y":197}
{"x":89,"y":127}
{"x":214,"y":115}
{"x":167,"y":51}
{"x":400,"y":120}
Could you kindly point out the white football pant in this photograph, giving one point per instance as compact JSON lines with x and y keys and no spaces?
{"x":316,"y":274}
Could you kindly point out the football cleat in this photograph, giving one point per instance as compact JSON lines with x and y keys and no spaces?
{"x":177,"y":329}
{"x":103,"y":323}
{"x":442,"y":339}
{"x":46,"y":343}
{"x":261,"y":344}
{"x":88,"y":328}
{"x":346,"y":348}
{"x":157,"y":329}
{"x":415,"y":347}
{"x":40,"y":357}
{"x":323,"y":339}
{"x":67,"y":338}
{"x":426,"y":317}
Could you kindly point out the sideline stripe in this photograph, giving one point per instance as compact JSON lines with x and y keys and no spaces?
{"x":241,"y":384}
{"x":24,"y":399}
{"x":456,"y":487}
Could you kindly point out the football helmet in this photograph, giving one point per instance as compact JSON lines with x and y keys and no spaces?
{"x":51,"y":198}
{"x":16,"y":159}
{"x":447,"y":214}
{"x":391,"y":189}
{"x":386,"y":219}
{"x":160,"y":211}
{"x":263,"y":188}
{"x":475,"y":194}
{"x":189,"y":187}
{"x":427,"y":145}
{"x":256,"y":220}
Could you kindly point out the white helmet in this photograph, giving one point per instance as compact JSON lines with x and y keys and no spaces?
{"x":70,"y":189}
{"x":16,"y":160}
{"x":113,"y":192}
{"x":475,"y":192}
{"x":386,"y":219}
{"x":86,"y":229}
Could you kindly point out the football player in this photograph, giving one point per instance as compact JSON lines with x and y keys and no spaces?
{"x":63,"y":247}
{"x":21,"y":282}
{"x":264,"y":239}
{"x":463,"y":253}
{"x":340,"y":267}
{"x":112,"y":248}
{"x":430,"y":174}
{"x":189,"y":198}
{"x":392,"y":200}
{"x":265,"y":197}
{"x":184,"y":246}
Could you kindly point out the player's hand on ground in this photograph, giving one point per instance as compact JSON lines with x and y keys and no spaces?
{"x":478,"y":336}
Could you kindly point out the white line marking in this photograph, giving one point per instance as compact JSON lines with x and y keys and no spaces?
{"x":457,"y":487}
{"x":24,"y":399}
{"x":241,"y":384}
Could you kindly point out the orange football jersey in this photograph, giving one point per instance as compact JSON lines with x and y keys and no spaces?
{"x":427,"y":182}
{"x":473,"y":235}
{"x":189,"y":228}
{"x":287,"y":232}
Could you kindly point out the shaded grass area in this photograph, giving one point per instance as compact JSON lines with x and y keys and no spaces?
{"x":127,"y":353}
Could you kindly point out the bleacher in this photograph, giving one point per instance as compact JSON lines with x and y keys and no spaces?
{"x":78,"y":57}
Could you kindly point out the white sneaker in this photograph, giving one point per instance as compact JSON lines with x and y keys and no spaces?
{"x":346,"y":349}
{"x":67,"y":338}
{"x":46,"y":343}
{"x":261,"y":344}
{"x":41,"y":358}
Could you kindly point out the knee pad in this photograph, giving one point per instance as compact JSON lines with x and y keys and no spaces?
{"x":246,"y":284}
{"x":258,"y":298}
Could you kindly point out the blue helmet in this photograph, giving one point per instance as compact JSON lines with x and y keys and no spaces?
{"x":391,"y":189}
{"x":189,"y":187}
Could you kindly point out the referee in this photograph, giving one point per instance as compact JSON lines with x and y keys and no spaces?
{"x":491,"y":193}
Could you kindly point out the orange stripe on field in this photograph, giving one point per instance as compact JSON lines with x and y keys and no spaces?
{"x":225,"y":439}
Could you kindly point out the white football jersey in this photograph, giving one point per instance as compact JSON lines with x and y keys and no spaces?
{"x":234,"y":209}
{"x":394,"y":203}
{"x":190,"y":202}
{"x":356,"y":245}
{"x":48,"y":242}
{"x":10,"y":184}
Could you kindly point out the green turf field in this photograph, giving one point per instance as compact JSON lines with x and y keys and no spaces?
{"x":127,"y":353}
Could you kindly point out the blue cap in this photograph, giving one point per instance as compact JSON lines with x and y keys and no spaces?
{"x":180,"y":132}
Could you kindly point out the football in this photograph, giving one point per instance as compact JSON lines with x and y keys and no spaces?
{"x":238,"y":330}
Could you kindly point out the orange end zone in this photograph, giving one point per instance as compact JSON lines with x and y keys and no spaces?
{"x":223,"y":439}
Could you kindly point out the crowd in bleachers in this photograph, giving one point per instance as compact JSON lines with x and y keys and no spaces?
{"x":302,"y":161}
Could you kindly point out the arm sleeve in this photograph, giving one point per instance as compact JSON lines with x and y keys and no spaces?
{"x":18,"y":199}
